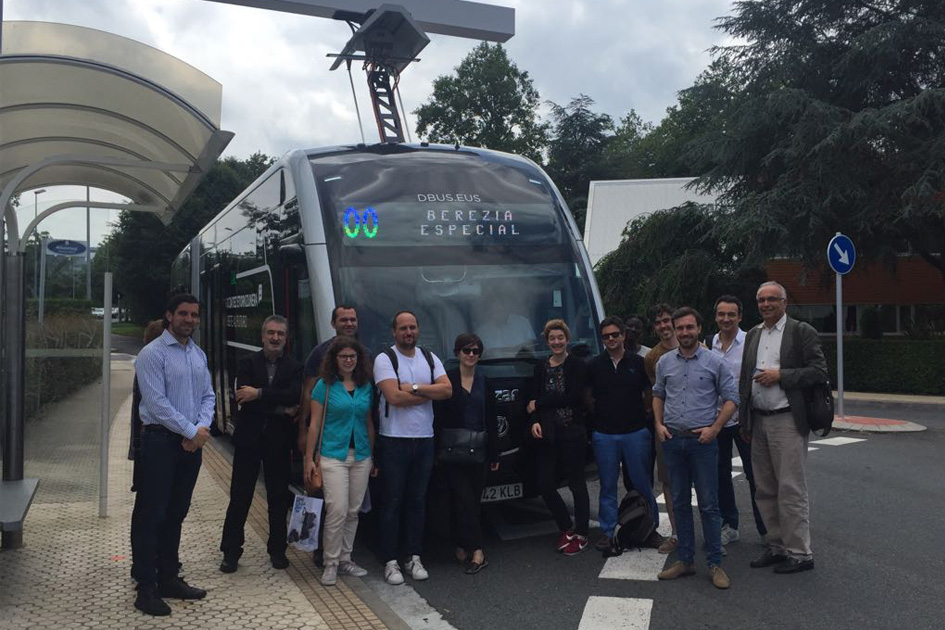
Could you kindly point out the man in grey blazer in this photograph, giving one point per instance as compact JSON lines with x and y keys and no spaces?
{"x":782,"y":358}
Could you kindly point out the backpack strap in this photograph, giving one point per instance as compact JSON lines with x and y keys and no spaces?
{"x":429,"y":357}
{"x":390,"y":354}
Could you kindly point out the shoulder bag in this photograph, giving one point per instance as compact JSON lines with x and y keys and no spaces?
{"x":818,"y":398}
{"x":317,"y":482}
{"x":461,"y":446}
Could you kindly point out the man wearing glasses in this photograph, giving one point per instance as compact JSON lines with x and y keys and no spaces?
{"x":782,"y":357}
{"x":618,"y":393}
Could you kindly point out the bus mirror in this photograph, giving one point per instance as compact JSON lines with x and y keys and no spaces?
{"x":292,"y":254}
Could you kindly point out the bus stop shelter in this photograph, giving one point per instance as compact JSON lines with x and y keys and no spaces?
{"x":89,"y":108}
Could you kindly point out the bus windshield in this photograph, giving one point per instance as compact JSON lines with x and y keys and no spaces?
{"x":470,"y":243}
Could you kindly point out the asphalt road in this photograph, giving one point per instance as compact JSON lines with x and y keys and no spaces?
{"x":876,"y":523}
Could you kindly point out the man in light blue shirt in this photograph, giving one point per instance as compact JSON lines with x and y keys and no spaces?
{"x":177,"y":407}
{"x":690,"y":381}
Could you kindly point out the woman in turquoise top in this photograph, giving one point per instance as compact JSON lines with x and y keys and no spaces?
{"x":344,"y":390}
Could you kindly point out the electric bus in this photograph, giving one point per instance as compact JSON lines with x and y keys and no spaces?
{"x":470,"y":240}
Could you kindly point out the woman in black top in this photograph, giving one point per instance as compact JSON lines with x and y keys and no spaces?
{"x":557,"y":408}
{"x":467,"y":409}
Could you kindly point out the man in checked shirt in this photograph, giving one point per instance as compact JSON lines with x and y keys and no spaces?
{"x":177,"y":406}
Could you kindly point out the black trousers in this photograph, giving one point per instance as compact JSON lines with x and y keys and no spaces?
{"x":269,"y":442}
{"x":168,"y":475}
{"x":465,"y":485}
{"x":565,"y":452}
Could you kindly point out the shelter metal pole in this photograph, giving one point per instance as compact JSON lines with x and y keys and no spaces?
{"x":88,"y":244}
{"x":106,"y":397}
{"x":42,"y":281}
{"x":14,"y":359}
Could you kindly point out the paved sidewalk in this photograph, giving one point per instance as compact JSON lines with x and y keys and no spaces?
{"x":74,"y":569}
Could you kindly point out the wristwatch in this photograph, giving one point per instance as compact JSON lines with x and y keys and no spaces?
{"x":414,"y":388}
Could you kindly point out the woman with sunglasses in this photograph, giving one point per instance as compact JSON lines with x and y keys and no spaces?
{"x":466,"y":414}
{"x":341,"y":422}
{"x":557,"y":416}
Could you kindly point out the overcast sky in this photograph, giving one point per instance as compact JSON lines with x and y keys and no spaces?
{"x":278,"y":93}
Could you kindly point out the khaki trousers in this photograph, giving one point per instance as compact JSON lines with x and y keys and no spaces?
{"x":344,"y":484}
{"x":779,"y":459}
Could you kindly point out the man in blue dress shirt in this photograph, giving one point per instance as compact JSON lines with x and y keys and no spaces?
{"x":177,"y":406}
{"x":690,"y":382}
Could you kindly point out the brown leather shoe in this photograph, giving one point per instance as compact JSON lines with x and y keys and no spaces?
{"x":720,"y":578}
{"x":676,"y":570}
{"x":669,"y":545}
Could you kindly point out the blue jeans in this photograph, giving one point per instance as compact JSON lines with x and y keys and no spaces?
{"x":633,"y":451}
{"x":168,"y":476}
{"x":688,"y":462}
{"x":729,"y":510}
{"x":404,"y":469}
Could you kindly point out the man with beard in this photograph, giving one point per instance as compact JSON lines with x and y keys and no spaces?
{"x":177,"y":406}
{"x":410,"y":379}
{"x":662,"y":317}
{"x":690,"y":382}
{"x":268,"y":385}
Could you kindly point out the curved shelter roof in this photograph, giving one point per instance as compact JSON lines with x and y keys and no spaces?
{"x":104,"y":111}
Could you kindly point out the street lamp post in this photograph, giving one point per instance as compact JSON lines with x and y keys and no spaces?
{"x":36,"y":194}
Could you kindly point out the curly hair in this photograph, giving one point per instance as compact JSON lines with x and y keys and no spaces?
{"x":556,"y":324}
{"x":329,"y":368}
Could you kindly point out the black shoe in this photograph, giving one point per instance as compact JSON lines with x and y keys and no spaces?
{"x":229,"y":564}
{"x":150,"y":603}
{"x":768,"y":559}
{"x":279,"y":561}
{"x":177,"y":588}
{"x":794,"y":565}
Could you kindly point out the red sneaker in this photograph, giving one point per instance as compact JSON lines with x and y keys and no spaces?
{"x":564,"y":540}
{"x":576,"y":546}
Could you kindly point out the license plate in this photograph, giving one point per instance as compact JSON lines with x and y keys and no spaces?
{"x":502,"y":493}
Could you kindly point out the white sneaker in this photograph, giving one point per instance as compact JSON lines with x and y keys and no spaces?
{"x":729,"y":535}
{"x":329,"y":575}
{"x":392,"y":573}
{"x":415,"y":568}
{"x":346,"y":567}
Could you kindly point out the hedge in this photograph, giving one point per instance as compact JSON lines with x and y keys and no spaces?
{"x":889,"y":365}
{"x":49,"y":379}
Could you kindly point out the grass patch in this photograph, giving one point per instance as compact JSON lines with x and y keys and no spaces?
{"x":128,"y":329}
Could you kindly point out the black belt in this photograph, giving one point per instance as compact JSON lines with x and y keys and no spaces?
{"x":157,"y":428}
{"x":684,"y":432}
{"x":770,"y":412}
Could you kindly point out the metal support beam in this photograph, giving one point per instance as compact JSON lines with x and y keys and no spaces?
{"x":14,"y":369}
{"x":459,"y":18}
{"x":106,"y":398}
{"x":389,"y":125}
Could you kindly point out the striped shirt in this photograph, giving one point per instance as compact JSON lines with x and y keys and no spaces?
{"x":175,"y":386}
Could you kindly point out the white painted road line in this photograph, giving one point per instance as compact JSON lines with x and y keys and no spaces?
{"x":839,"y":441}
{"x":638,"y":564}
{"x":625,"y":613}
{"x":407,"y":604}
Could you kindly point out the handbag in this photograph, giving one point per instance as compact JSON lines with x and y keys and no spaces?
{"x":317,"y":482}
{"x":461,"y":446}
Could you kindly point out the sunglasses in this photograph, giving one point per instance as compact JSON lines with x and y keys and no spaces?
{"x":474,"y":351}
{"x":613,"y":335}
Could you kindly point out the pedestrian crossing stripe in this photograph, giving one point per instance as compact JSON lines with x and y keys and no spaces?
{"x":627,"y":613}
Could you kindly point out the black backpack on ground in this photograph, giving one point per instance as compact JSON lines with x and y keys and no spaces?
{"x":634,"y":523}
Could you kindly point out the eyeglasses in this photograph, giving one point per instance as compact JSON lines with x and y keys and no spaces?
{"x":348,"y":357}
{"x":613,"y":335}
{"x":474,"y":351}
{"x":769,"y":300}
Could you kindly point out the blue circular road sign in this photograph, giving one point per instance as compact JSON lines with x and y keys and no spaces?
{"x":841,"y":254}
{"x":66,"y":248}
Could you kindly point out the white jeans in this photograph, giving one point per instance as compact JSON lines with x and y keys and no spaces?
{"x":344,"y":484}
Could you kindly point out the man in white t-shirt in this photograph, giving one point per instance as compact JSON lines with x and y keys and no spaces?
{"x":405,"y":445}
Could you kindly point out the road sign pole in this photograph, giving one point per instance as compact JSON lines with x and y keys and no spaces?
{"x":840,"y":346}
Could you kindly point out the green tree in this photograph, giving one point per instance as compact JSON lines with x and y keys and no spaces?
{"x":576,"y":150}
{"x":141,"y":249}
{"x":679,"y":256}
{"x":838,"y":124}
{"x":488,"y":102}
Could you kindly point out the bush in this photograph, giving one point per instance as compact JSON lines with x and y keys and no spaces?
{"x":890,"y":365}
{"x":49,"y":379}
{"x":871,"y":323}
{"x":60,"y":306}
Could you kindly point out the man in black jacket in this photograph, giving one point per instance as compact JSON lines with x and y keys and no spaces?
{"x":268,"y":385}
